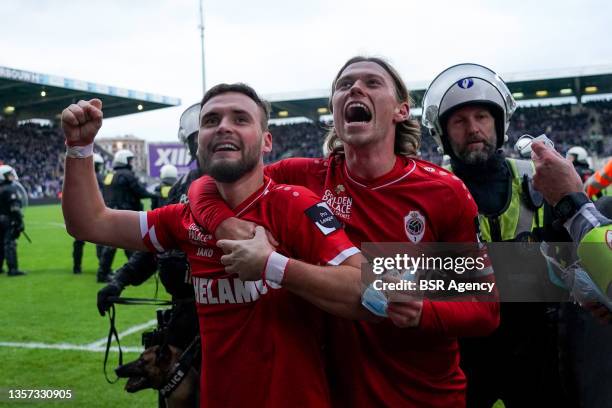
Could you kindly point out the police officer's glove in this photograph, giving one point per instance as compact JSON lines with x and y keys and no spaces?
{"x":110,"y":290}
{"x":17,"y":228}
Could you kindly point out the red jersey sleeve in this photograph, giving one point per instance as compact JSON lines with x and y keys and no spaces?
{"x":461,"y":318}
{"x":469,"y":316}
{"x":210,"y":210}
{"x":159,"y":228}
{"x":308,"y":230}
{"x":206,"y":204}
{"x":298,"y":171}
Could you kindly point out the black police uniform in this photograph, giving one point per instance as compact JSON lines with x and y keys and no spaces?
{"x":11,"y":226}
{"x":77,"y":246}
{"x":517,"y":363}
{"x":122,"y":191}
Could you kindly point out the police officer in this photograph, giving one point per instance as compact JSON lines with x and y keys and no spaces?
{"x":123,"y":191}
{"x":11,"y":220}
{"x":168,"y":175}
{"x":580,"y":159}
{"x":77,"y":246}
{"x":467,"y":109}
{"x":173,"y":266}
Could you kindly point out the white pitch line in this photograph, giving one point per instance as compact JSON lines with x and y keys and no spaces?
{"x":133,"y":329}
{"x":67,"y":346}
{"x":45,"y":225}
{"x":96,"y":346}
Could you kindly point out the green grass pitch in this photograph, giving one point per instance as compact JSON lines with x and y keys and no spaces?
{"x":52,"y":306}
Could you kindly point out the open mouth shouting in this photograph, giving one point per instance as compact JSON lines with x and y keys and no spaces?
{"x":357,"y":113}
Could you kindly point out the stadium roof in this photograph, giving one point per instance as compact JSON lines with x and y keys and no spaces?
{"x":559,"y":83}
{"x":29,"y":95}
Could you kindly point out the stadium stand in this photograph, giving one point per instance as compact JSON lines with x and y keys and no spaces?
{"x":567,"y":125}
{"x":36,"y":151}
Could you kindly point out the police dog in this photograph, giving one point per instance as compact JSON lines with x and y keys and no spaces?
{"x":153,"y":370}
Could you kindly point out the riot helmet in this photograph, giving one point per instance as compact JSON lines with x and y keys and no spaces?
{"x":462,"y":85}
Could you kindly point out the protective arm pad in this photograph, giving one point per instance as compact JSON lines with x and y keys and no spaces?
{"x":587,"y":218}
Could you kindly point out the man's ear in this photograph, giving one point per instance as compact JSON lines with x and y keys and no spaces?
{"x":266,"y":142}
{"x":401,"y":112}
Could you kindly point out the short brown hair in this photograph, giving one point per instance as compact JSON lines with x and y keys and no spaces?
{"x":407,"y":133}
{"x":244,"y":89}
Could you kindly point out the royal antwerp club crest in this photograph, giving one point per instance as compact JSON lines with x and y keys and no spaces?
{"x":414,"y":225}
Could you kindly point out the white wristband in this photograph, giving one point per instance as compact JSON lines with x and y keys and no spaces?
{"x":275,"y":267}
{"x":80,"y":152}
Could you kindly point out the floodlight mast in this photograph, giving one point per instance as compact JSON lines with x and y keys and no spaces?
{"x":201,"y":27}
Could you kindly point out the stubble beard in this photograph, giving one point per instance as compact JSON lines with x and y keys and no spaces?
{"x":229,"y":171}
{"x":475,"y":157}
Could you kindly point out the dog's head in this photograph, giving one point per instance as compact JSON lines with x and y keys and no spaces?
{"x":150,"y":370}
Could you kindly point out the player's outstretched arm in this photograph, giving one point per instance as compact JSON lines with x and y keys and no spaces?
{"x":85,"y":214}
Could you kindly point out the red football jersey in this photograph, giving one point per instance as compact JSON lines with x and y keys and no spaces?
{"x":261,"y":345}
{"x":379,"y":364}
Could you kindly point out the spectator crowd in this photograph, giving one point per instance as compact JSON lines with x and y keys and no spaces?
{"x":36,"y":151}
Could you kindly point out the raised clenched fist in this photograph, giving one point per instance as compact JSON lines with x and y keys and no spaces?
{"x":81,"y":122}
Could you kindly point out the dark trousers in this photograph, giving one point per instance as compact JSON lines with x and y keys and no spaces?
{"x":518,"y":363}
{"x":77,"y":253}
{"x":8,"y":245}
{"x":106,"y":261}
{"x":586,"y":357}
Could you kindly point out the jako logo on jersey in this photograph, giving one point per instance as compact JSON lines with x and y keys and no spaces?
{"x":414,"y":225}
{"x":609,"y":238}
{"x":465,"y":83}
{"x":323,"y":218}
{"x":177,"y":156}
{"x":340,"y":205}
{"x":232,"y":291}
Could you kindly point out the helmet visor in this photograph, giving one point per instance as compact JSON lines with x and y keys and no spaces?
{"x":189,"y":122}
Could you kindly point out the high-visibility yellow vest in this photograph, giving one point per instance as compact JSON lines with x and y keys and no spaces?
{"x":518,"y":217}
{"x":165,"y":191}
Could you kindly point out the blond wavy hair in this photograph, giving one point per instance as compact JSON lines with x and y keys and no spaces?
{"x":407,"y":133}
